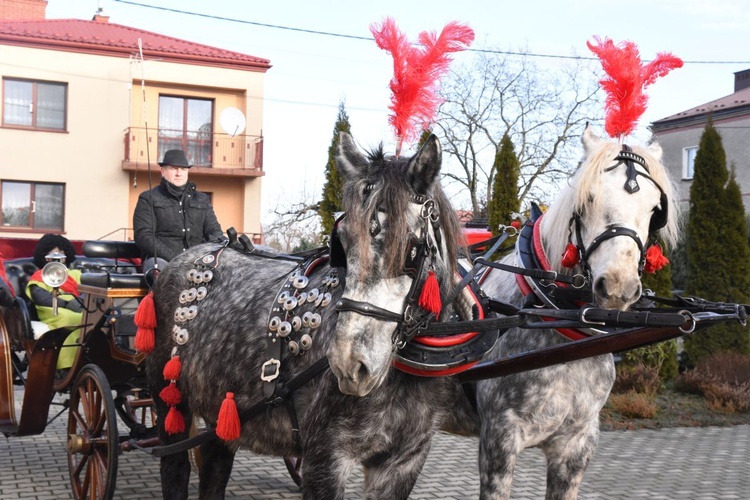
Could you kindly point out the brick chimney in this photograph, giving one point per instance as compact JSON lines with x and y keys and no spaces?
{"x":741,"y":80}
{"x":99,"y":17}
{"x":23,"y":9}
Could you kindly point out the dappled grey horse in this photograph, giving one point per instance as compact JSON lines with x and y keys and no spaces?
{"x":249,"y":325}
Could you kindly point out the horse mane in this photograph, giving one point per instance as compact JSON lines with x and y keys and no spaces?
{"x":575,"y":196}
{"x":389,"y":191}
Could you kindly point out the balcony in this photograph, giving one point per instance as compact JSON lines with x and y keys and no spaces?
{"x":210,"y":153}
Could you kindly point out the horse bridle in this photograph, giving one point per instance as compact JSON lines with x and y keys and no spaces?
{"x":418,"y":249}
{"x":658,"y":220}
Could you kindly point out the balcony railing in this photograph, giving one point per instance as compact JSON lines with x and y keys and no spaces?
{"x":203,"y":149}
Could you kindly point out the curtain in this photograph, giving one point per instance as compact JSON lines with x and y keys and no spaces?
{"x":17,"y":103}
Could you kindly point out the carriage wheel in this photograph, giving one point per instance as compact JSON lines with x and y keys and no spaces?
{"x":294,"y":466}
{"x":93,"y":442}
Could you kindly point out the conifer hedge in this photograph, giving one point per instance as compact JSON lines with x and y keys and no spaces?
{"x":718,"y":256}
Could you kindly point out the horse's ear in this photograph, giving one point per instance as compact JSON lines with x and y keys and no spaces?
{"x":655,"y":150}
{"x":589,"y":139}
{"x":349,"y":161}
{"x":424,"y":166}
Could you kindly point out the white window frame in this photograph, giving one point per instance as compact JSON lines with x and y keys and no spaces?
{"x":688,"y":162}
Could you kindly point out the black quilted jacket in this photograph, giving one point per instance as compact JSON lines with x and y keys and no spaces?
{"x":170,"y":223}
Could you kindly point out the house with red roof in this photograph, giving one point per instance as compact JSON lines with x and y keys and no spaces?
{"x":680,"y":134}
{"x":89,"y":107}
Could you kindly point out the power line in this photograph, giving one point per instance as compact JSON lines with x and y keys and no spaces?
{"x":370,"y":39}
{"x":242,"y":21}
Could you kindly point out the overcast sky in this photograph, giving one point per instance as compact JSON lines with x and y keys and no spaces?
{"x":313,"y":72}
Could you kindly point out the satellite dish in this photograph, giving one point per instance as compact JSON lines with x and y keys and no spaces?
{"x":232,"y":120}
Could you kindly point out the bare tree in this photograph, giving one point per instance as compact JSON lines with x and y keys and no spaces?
{"x":541,"y":110}
{"x":296,"y":224}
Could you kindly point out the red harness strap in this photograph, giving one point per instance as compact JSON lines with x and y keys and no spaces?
{"x":443,"y":342}
{"x":526,"y":290}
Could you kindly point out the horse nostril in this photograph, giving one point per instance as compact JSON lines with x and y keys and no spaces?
{"x":600,"y":288}
{"x":635,"y":295}
{"x":362,"y":373}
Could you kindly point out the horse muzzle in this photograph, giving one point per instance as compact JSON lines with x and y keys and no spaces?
{"x":361,"y":351}
{"x":616,"y":292}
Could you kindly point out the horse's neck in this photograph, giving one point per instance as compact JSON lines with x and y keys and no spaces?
{"x":501,"y":285}
{"x":553,"y":235}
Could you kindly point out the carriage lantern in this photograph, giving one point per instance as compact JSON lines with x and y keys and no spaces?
{"x":54,"y":274}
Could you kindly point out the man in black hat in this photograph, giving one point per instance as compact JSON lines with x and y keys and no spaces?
{"x":173,"y":216}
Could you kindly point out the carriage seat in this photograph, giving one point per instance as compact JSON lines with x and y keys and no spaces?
{"x":125,"y":272}
{"x":114,"y":280}
{"x":18,"y":272}
{"x":19,"y":325}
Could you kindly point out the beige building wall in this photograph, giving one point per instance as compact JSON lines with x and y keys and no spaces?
{"x":87,"y":157}
{"x":105,"y":98}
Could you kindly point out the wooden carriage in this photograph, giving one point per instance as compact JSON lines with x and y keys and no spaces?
{"x":106,"y":379}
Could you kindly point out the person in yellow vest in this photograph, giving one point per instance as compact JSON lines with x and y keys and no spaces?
{"x":69,"y":304}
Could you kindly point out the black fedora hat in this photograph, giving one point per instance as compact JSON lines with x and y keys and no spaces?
{"x":175,"y":158}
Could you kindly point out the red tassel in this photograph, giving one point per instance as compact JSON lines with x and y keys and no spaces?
{"x":429,"y":299}
{"x":570,"y":256}
{"x":175,"y":422}
{"x":172,"y":368}
{"x":144,"y":339}
{"x":145,"y":315}
{"x":171,"y":395}
{"x":516,"y":224}
{"x":655,"y":259}
{"x":228,"y":423}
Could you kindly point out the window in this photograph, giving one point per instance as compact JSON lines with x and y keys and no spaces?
{"x":32,"y":205}
{"x":688,"y":161}
{"x":187,"y":124}
{"x":33,"y":104}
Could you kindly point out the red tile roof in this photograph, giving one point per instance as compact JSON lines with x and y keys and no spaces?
{"x":105,"y":38}
{"x":739,"y":99}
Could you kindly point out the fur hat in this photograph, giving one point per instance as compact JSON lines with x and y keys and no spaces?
{"x":47,"y":243}
{"x":175,"y":158}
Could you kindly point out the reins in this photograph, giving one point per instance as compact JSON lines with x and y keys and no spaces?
{"x":684,"y":315}
{"x":619,"y":330}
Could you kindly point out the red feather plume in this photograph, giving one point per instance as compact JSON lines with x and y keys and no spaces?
{"x":626,"y":81}
{"x":416,"y":72}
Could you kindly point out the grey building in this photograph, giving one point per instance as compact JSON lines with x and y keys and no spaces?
{"x":680,"y":134}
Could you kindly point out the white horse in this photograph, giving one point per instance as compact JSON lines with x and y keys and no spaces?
{"x":611,"y":208}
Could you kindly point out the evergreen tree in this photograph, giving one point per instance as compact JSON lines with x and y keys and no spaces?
{"x":504,"y":187}
{"x":734,"y":236}
{"x":718,"y":256}
{"x":333,"y":187}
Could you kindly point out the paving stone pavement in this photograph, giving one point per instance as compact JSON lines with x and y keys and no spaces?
{"x":682,"y":463}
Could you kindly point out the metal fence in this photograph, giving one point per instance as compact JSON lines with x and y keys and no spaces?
{"x":203,"y":149}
